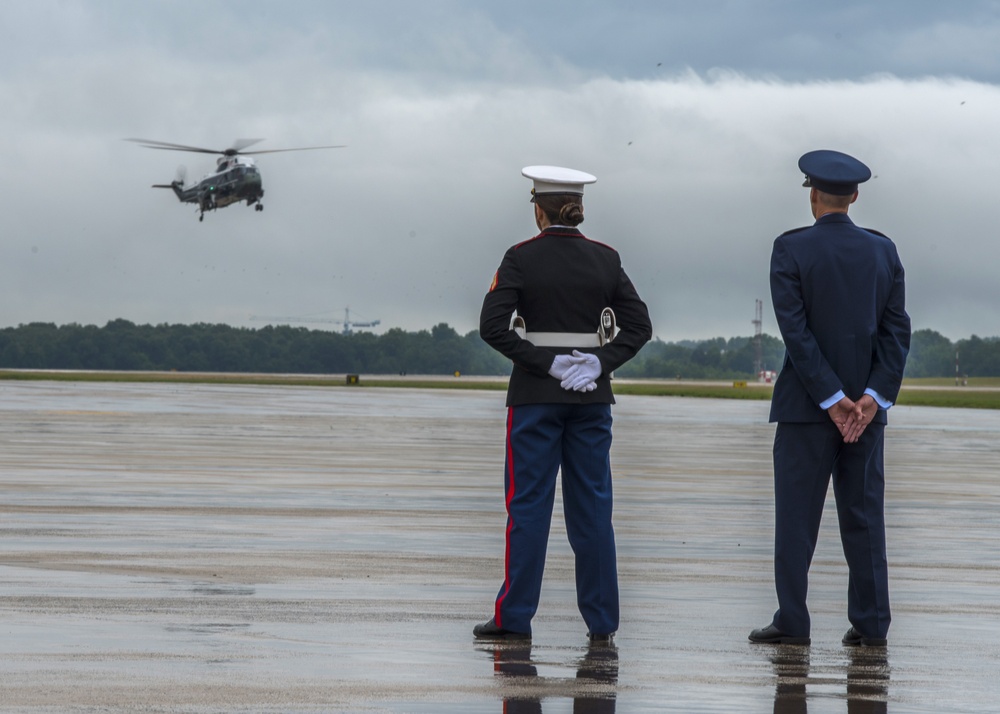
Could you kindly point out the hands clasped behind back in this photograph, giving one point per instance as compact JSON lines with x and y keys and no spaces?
{"x":580,"y":373}
{"x":559,"y":366}
{"x":561,"y":370}
{"x":852,"y":418}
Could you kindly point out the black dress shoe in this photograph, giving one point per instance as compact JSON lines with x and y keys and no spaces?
{"x":490,"y":631}
{"x":771,"y":635}
{"x":853,"y":638}
{"x":601,"y":639}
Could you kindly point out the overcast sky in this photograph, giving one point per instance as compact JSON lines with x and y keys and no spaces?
{"x":691,"y":114}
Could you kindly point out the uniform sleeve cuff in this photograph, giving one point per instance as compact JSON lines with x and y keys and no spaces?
{"x":832,"y":400}
{"x":879,"y":399}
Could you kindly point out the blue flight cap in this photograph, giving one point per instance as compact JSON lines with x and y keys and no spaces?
{"x":833,"y":172}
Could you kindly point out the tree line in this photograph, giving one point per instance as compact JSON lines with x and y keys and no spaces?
{"x":121,"y":345}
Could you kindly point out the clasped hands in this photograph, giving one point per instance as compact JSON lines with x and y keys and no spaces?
{"x":578,"y":371}
{"x":852,"y":418}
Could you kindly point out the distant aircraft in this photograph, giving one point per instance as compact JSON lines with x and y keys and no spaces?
{"x":236,"y":177}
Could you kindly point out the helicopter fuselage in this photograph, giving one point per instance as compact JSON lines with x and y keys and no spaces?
{"x":235,"y":179}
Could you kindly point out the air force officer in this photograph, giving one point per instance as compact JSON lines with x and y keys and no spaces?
{"x":838,"y":294}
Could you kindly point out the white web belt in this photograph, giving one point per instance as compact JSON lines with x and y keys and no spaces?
{"x":563,"y":339}
{"x":605,"y":333}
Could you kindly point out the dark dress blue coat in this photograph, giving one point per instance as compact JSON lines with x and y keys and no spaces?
{"x":838,"y":295}
{"x":559,"y":281}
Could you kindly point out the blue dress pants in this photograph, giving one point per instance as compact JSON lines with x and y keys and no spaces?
{"x":540,"y":439}
{"x":805,"y":457}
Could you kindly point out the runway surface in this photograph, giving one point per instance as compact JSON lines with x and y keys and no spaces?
{"x":196,"y":548}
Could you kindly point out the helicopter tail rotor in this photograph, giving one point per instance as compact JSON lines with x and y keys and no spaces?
{"x":177,"y":185}
{"x":180,"y":178}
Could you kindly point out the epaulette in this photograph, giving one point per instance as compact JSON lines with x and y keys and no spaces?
{"x":597,"y":242}
{"x":525,"y":242}
{"x":554,"y":232}
{"x":577,"y":233}
{"x":878,"y":233}
{"x":794,"y":230}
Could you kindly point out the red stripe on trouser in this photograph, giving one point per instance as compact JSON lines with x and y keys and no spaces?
{"x":510,"y":521}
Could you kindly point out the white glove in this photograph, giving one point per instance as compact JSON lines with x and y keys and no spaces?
{"x":583,"y":374}
{"x":559,"y":366}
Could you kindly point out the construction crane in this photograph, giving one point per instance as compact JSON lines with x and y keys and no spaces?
{"x":347,"y":322}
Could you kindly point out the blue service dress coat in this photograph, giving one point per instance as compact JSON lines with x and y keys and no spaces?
{"x":839,"y":299}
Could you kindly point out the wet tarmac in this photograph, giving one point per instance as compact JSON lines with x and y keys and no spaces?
{"x":197,"y":548}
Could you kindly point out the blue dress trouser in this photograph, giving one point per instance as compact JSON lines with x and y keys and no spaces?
{"x":805,"y":457}
{"x":540,"y":439}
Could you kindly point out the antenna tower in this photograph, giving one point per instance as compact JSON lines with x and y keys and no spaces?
{"x":758,"y":348}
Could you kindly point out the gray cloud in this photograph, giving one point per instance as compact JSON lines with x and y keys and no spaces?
{"x":696,"y":168}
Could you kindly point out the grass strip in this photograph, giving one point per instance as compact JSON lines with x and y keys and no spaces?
{"x":981,"y":393}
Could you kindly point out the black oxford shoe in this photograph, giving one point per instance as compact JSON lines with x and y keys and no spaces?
{"x":490,"y":631}
{"x":853,"y":638}
{"x":771,"y":635}
{"x":596,"y":639}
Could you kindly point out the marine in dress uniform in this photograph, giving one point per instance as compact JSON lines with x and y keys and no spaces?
{"x":839,"y":299}
{"x":559,"y":399}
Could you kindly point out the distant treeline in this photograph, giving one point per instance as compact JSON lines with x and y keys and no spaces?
{"x":123,"y":345}
{"x":931,"y":355}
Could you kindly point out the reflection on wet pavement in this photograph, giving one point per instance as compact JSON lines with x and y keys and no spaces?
{"x":197,"y":548}
{"x":523,"y":690}
{"x":866,"y":688}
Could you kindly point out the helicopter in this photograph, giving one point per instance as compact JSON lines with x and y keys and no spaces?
{"x":236,"y":177}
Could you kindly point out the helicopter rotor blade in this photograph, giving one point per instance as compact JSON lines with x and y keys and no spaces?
{"x":301,"y":148}
{"x":239,"y":145}
{"x":150,"y":144}
{"x":236,"y":149}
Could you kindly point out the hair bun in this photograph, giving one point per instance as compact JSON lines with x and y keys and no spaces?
{"x":571,"y":214}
